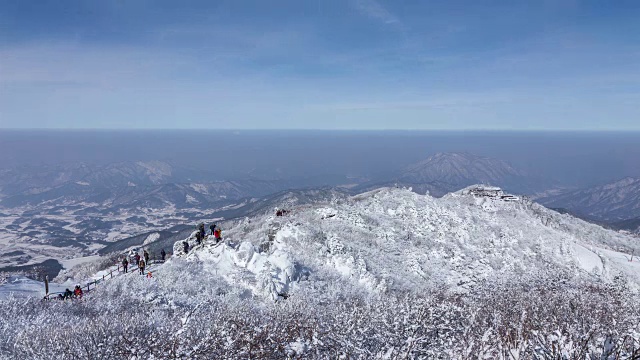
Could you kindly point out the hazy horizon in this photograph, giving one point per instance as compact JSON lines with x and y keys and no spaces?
{"x":570,"y":158}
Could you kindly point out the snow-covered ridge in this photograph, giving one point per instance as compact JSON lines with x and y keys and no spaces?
{"x":619,"y":200}
{"x":393,"y":239}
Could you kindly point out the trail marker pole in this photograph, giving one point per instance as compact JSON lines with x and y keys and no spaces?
{"x":46,"y":285}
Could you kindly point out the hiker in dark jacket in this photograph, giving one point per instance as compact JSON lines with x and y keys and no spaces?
{"x":201,"y":230}
{"x":67,"y":294}
{"x":146,"y":257}
{"x":137,"y":257}
{"x":198,"y":238}
{"x":185,"y":245}
{"x":212,"y":227}
{"x":125,"y":265}
{"x":163,"y":254}
{"x":141,"y":266}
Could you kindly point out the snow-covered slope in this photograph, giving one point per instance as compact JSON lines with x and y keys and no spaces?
{"x":396,"y":240}
{"x":387,"y":274}
{"x":616,"y":201}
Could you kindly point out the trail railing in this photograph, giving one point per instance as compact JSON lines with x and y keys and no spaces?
{"x":92,"y":285}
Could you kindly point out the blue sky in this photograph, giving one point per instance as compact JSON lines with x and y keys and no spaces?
{"x":348,"y":64}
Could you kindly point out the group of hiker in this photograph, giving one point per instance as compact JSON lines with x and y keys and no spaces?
{"x":201,"y":235}
{"x":141,"y":261}
{"x":68,"y":294}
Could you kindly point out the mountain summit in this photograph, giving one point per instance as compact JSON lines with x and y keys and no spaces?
{"x":395,"y":240}
{"x":443,"y":173}
{"x":460,"y":169}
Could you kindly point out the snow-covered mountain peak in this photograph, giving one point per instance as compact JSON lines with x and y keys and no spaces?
{"x":396,"y":240}
{"x":445,"y":172}
{"x":457,"y":168}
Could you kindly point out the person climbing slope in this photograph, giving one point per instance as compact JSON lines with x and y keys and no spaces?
{"x":125,"y":265}
{"x":141,"y":265}
{"x":163,"y":254}
{"x":146,"y":257}
{"x":218,"y":235}
{"x":137,"y":257}
{"x":212,"y":227}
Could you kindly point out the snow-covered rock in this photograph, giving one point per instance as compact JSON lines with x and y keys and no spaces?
{"x":393,"y":239}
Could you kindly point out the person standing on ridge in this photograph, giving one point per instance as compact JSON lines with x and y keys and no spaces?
{"x":141,"y":265}
{"x":218,"y":235}
{"x":212,"y":227}
{"x":125,"y":265}
{"x":198,"y":238}
{"x":146,"y":256}
{"x":185,"y":245}
{"x":163,"y":254}
{"x":202,"y":232}
{"x":137,"y":257}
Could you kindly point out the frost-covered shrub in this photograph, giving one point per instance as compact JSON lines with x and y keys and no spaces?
{"x":531,"y":318}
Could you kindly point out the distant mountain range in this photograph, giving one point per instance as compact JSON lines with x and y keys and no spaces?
{"x":612,"y":203}
{"x":152,"y":184}
{"x":442,"y":173}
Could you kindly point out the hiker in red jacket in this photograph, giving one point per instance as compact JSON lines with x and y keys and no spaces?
{"x":77,"y":291}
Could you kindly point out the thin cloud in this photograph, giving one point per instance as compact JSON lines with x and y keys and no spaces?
{"x":374,"y":10}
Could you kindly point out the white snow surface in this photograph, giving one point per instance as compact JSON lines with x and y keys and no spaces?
{"x":390,"y":239}
{"x":22,"y":287}
{"x":393,"y":239}
{"x":70,"y":263}
{"x":151,"y":238}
